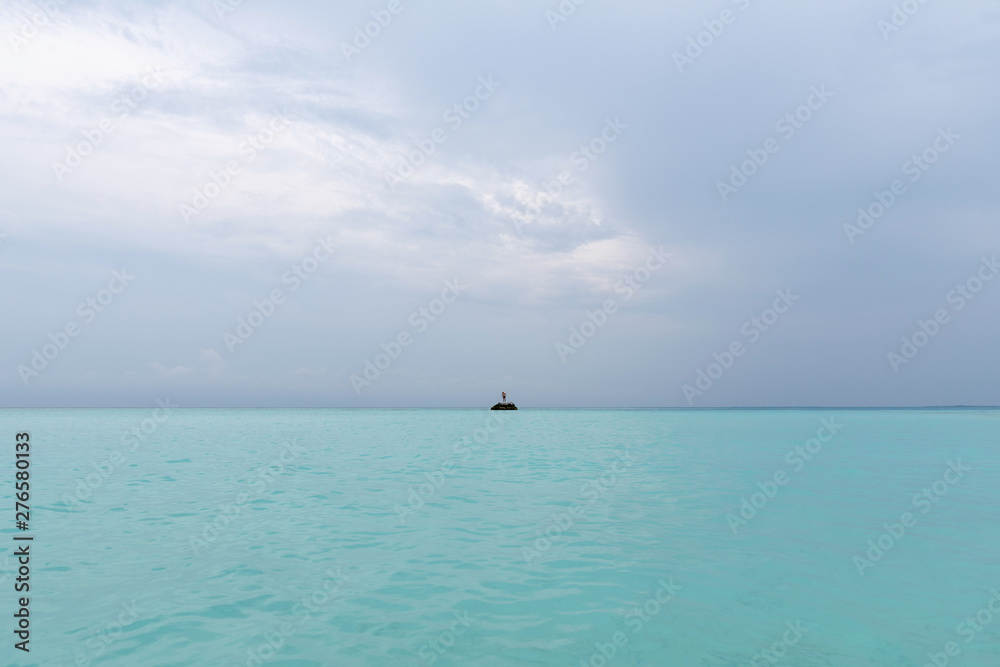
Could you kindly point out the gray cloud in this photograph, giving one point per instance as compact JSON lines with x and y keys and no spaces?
{"x":481,"y":208}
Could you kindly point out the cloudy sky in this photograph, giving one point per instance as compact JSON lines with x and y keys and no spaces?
{"x":673,"y":169}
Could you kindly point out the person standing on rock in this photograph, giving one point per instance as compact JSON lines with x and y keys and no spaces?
{"x":503,"y":394}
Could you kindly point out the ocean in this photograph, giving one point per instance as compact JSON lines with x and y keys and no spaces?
{"x":415,"y":537}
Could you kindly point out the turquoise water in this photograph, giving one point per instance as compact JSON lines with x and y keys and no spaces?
{"x":418,"y":537}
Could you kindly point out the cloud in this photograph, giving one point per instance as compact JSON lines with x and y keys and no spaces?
{"x":485,"y":206}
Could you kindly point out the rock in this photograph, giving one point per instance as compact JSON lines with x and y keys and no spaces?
{"x":504,"y":406}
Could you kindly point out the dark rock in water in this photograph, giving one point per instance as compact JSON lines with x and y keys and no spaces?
{"x":504,"y":406}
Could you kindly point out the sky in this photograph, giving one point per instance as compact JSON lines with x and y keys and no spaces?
{"x":419,"y":204}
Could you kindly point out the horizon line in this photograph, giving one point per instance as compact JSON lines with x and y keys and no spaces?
{"x":456,"y":407}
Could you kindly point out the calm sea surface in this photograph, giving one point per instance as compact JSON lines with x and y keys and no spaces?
{"x":538,"y":537}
